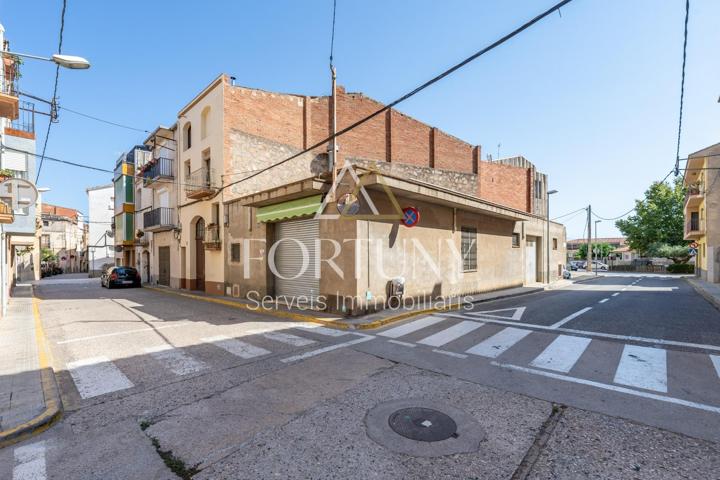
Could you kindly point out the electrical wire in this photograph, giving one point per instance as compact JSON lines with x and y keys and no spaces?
{"x":682,"y":88}
{"x":574,"y":211}
{"x":55,"y":88}
{"x":98,"y":119}
{"x":332,"y":36}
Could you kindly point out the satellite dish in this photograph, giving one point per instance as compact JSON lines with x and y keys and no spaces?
{"x":348,"y":204}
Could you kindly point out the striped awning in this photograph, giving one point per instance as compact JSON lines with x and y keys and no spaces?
{"x":290,"y":209}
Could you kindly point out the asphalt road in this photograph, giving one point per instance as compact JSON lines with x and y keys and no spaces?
{"x":155,"y":386}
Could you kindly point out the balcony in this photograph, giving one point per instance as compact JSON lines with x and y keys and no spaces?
{"x":212,"y":237}
{"x":200,"y":183}
{"x":157,"y":169}
{"x":159,"y":219}
{"x":24,"y":125}
{"x":6,"y":213}
{"x":693,"y":196}
{"x":9,"y":103}
{"x":694,"y":228}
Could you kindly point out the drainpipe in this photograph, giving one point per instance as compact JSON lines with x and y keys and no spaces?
{"x":333,"y":142}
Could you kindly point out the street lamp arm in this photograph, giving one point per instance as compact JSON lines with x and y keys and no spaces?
{"x":67,"y":61}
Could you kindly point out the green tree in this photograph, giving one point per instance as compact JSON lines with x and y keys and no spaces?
{"x":658,"y":218}
{"x":47,"y":255}
{"x":604,"y":251}
{"x":676,"y":253}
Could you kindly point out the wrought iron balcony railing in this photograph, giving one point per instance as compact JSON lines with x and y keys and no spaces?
{"x":212,"y":238}
{"x":159,"y":168}
{"x":161,"y":218}
{"x":200,"y":183}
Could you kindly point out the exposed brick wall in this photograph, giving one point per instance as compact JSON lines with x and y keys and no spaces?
{"x":300,"y":121}
{"x":504,"y":184}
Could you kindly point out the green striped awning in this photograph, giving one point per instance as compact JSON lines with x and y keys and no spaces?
{"x":289,"y":209}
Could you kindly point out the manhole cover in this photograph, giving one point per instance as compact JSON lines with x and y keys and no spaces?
{"x":423,"y":424}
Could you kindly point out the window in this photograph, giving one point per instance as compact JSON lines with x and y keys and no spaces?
{"x":204,"y":116}
{"x":516,"y":240}
{"x":554,"y":243}
{"x":187,"y":136}
{"x":187,"y":169}
{"x":235,"y":253}
{"x":468,"y":248}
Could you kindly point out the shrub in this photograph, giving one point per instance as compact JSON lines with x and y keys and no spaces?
{"x":681,"y":268}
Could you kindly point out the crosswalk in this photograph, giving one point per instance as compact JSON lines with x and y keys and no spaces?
{"x":100,"y":375}
{"x":643,"y":367}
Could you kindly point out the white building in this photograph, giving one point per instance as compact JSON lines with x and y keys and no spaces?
{"x":101,"y":246}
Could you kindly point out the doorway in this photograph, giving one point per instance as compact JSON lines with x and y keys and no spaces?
{"x":164,"y":266}
{"x":200,"y":255}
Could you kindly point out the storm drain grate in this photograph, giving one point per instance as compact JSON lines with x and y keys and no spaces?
{"x":423,"y":424}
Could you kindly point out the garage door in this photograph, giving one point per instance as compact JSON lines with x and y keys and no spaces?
{"x":164,"y":266}
{"x":295,"y":250}
{"x":530,"y":260}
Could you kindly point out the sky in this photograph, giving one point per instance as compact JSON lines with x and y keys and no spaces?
{"x":590,"y":96}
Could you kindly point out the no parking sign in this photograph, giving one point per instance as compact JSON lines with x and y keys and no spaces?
{"x":411,"y":216}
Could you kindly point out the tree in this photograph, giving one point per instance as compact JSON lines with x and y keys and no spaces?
{"x":658,"y":219}
{"x":676,"y":253}
{"x":47,"y":255}
{"x":603,"y":250}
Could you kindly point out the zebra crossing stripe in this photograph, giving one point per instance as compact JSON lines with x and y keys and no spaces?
{"x":328,"y":332}
{"x":643,"y":367}
{"x":236,"y":347}
{"x":449,"y":334}
{"x":494,"y":346}
{"x":30,"y":462}
{"x":176,"y":360}
{"x":288,"y":338}
{"x":97,"y":376}
{"x":411,"y":327}
{"x":715,"y":359}
{"x":562,"y":354}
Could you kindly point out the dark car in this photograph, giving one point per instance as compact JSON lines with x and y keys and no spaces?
{"x":120,"y":277}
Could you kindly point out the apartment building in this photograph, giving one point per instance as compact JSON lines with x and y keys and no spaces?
{"x":19,"y":249}
{"x":702,"y":210}
{"x":231,"y":218}
{"x":64,"y":234}
{"x":100,"y":244}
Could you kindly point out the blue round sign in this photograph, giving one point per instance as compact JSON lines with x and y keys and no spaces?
{"x":411,"y":216}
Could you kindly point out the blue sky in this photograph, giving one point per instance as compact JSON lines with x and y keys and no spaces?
{"x":591,"y":97}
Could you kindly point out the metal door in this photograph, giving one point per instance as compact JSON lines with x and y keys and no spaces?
{"x":296,"y":258}
{"x":164,"y":266}
{"x":200,"y":255}
{"x":530,"y":260}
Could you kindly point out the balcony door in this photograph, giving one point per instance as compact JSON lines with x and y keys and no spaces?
{"x":199,"y":255}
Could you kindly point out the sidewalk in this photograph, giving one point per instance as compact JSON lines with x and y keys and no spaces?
{"x":29,"y":399}
{"x":711,"y":291}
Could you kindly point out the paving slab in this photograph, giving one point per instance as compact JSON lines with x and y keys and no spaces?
{"x":330,"y":441}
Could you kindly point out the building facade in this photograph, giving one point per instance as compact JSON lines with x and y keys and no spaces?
{"x":64,"y":235}
{"x":100,"y":244}
{"x":229,"y":213}
{"x":702,"y":210}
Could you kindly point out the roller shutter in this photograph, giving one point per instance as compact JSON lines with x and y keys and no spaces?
{"x":296,"y":241}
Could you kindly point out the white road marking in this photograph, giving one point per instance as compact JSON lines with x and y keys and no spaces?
{"x":236,"y":347}
{"x":494,"y":346}
{"x":604,"y":300}
{"x":30,"y":462}
{"x":562,"y":353}
{"x":288,"y":338}
{"x":716,"y":362}
{"x":614,"y":388}
{"x":329,"y":332}
{"x":449,"y":334}
{"x":302,"y":356}
{"x":412,"y":326}
{"x":517,"y":313}
{"x":125,"y":332}
{"x":623,"y":289}
{"x":97,"y":376}
{"x":570,"y":317}
{"x":656,"y":341}
{"x":404,"y":344}
{"x":176,"y":360}
{"x":643,"y":367}
{"x":616,"y":294}
{"x":450,"y":354}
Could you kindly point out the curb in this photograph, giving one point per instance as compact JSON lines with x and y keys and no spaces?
{"x":53,"y":403}
{"x":299,"y":317}
{"x":715,"y":302}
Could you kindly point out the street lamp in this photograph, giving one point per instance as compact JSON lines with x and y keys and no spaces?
{"x":547,"y":237}
{"x":596,"y":242}
{"x":68,"y":61}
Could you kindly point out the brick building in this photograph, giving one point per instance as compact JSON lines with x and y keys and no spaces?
{"x":225,"y":222}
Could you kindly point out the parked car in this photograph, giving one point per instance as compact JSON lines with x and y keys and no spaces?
{"x":120,"y":277}
{"x":599,"y":266}
{"x":566,"y":274}
{"x":574,"y":265}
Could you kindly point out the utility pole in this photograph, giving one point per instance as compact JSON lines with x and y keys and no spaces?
{"x":596,"y":242}
{"x":588,"y":267}
{"x":332,"y":154}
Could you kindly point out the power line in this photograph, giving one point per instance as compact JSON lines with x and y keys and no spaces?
{"x":66,"y":162}
{"x":332,"y":36}
{"x":98,"y":119}
{"x":574,"y":211}
{"x":682,"y":87}
{"x":417,"y":90}
{"x":614,"y":218}
{"x":53,"y":105}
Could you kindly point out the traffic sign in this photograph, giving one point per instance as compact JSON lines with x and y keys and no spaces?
{"x":692,"y":251}
{"x":411,"y":216}
{"x":693,"y":245}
